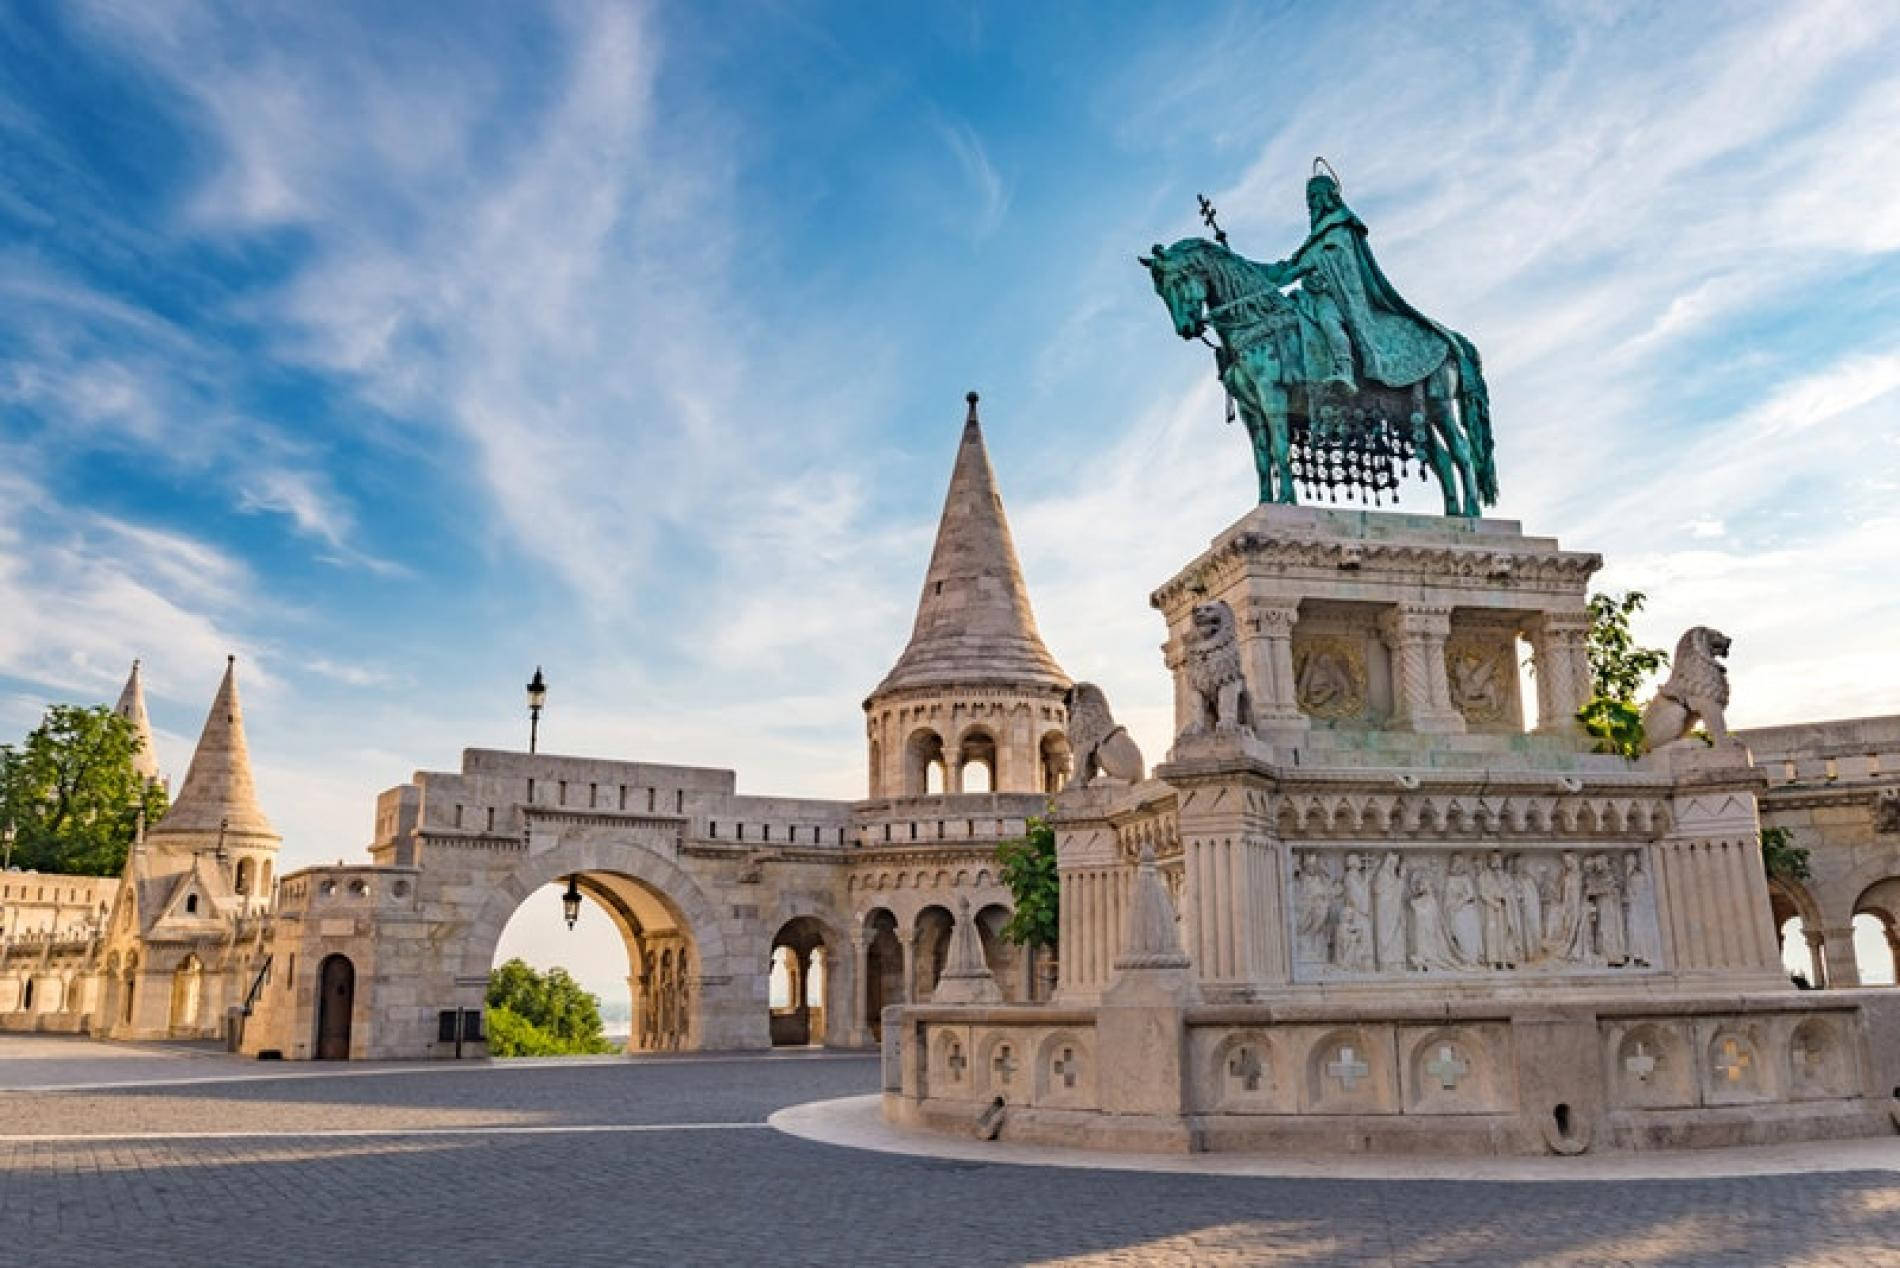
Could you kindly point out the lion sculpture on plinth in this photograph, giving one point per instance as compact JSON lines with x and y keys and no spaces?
{"x":1099,"y":744}
{"x":1697,"y":690}
{"x":1214,"y":673}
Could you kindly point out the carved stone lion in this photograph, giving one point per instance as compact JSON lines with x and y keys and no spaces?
{"x":1100,"y":746}
{"x":1214,"y":672}
{"x":1697,"y":690}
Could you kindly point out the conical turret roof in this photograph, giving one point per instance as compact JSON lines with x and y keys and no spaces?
{"x":218,"y":788}
{"x":974,"y":624}
{"x":131,"y":707}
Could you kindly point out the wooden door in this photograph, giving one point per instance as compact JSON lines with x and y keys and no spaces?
{"x":336,"y":999}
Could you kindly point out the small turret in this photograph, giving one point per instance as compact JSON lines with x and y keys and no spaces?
{"x":131,"y":707}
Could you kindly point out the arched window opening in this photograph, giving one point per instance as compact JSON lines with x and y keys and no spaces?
{"x":923,"y":764}
{"x":245,"y":875}
{"x":1874,"y":952}
{"x":796,"y":991}
{"x":932,"y":940}
{"x":191,"y":904}
{"x":976,"y":763}
{"x":883,"y":968}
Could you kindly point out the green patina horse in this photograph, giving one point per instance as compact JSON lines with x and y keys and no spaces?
{"x":1341,"y":384}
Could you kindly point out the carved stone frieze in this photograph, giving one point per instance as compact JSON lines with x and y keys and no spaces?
{"x":1408,"y":911}
{"x":1502,"y":569}
{"x":1448,"y":816}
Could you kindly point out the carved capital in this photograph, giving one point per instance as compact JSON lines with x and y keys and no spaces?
{"x":1270,"y":617}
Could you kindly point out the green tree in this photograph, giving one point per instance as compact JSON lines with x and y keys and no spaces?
{"x":70,"y":794}
{"x":533,"y":1014}
{"x":1619,"y":666}
{"x":1783,"y":859}
{"x":1028,"y":868}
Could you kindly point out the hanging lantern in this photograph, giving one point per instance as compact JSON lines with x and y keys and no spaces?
{"x":571,"y":903}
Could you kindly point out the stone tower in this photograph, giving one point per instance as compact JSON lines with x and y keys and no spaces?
{"x":974,"y":689}
{"x":131,"y":707}
{"x":216,"y":810}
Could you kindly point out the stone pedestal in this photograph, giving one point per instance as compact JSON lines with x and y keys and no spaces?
{"x":1411,"y":919}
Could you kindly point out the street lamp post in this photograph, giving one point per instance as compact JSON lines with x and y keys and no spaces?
{"x":537,"y":696}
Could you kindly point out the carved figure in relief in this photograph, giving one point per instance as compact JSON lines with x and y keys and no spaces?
{"x":1566,"y":921}
{"x":1431,"y":950}
{"x":1697,"y":690}
{"x":1476,"y":682}
{"x":1388,"y":907}
{"x":1604,"y":889}
{"x":1352,"y":948}
{"x":1214,"y":672}
{"x":1313,"y":888}
{"x":1463,"y":920}
{"x":1639,"y":895}
{"x":1327,"y":683}
{"x":1497,"y":898}
{"x":1100,"y":746}
{"x":1530,"y":909}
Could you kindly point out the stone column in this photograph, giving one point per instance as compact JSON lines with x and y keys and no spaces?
{"x":1266,"y":648}
{"x":1893,"y":949}
{"x":1712,"y":894}
{"x":1843,"y":968}
{"x":1560,"y":662}
{"x":635,"y":1004}
{"x":1233,"y":907}
{"x":1421,"y":695}
{"x":1817,"y":956}
{"x":860,"y":1025}
{"x":1174,"y":655}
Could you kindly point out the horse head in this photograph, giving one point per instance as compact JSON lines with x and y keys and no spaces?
{"x":1181,"y":283}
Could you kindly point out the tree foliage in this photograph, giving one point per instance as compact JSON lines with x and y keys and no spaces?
{"x":1783,"y":859}
{"x":1028,"y":868}
{"x":71,"y":795}
{"x":534,"y":1014}
{"x":1619,"y":666}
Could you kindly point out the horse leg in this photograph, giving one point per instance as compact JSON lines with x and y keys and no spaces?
{"x":1262,"y":426}
{"x":1451,"y":454}
{"x":1280,"y":433}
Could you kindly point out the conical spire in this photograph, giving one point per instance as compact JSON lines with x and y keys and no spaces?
{"x":218,"y":792}
{"x":974,"y":624}
{"x":131,"y":707}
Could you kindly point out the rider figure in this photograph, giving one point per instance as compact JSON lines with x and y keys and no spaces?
{"x":1323,"y":308}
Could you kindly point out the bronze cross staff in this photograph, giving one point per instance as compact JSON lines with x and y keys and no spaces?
{"x":1207,"y":218}
{"x":1220,"y":236}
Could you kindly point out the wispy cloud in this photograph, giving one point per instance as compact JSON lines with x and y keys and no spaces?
{"x":987,"y":190}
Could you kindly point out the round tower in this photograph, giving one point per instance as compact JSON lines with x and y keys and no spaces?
{"x":975,"y":702}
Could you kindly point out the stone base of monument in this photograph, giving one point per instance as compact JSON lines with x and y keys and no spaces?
{"x":1578,"y":1075}
{"x":1367,"y":906}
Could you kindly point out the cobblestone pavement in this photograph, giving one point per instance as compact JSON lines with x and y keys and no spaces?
{"x":201,"y":1162}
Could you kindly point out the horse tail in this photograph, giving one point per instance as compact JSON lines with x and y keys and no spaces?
{"x":1474,"y":405}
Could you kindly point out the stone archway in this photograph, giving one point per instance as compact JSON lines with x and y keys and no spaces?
{"x":688,"y":989}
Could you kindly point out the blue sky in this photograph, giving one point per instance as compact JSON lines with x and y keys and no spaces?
{"x":402,"y":348}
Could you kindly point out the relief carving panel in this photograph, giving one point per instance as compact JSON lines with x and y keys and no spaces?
{"x":1362,"y":913}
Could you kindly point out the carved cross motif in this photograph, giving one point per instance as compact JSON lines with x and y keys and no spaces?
{"x":955,"y":1062}
{"x":1003,"y":1063}
{"x":1640,"y":1063}
{"x":1734,"y":1061}
{"x":1348,"y":1068}
{"x":1245,"y":1066}
{"x":1066,"y":1067}
{"x":1446,"y":1067}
